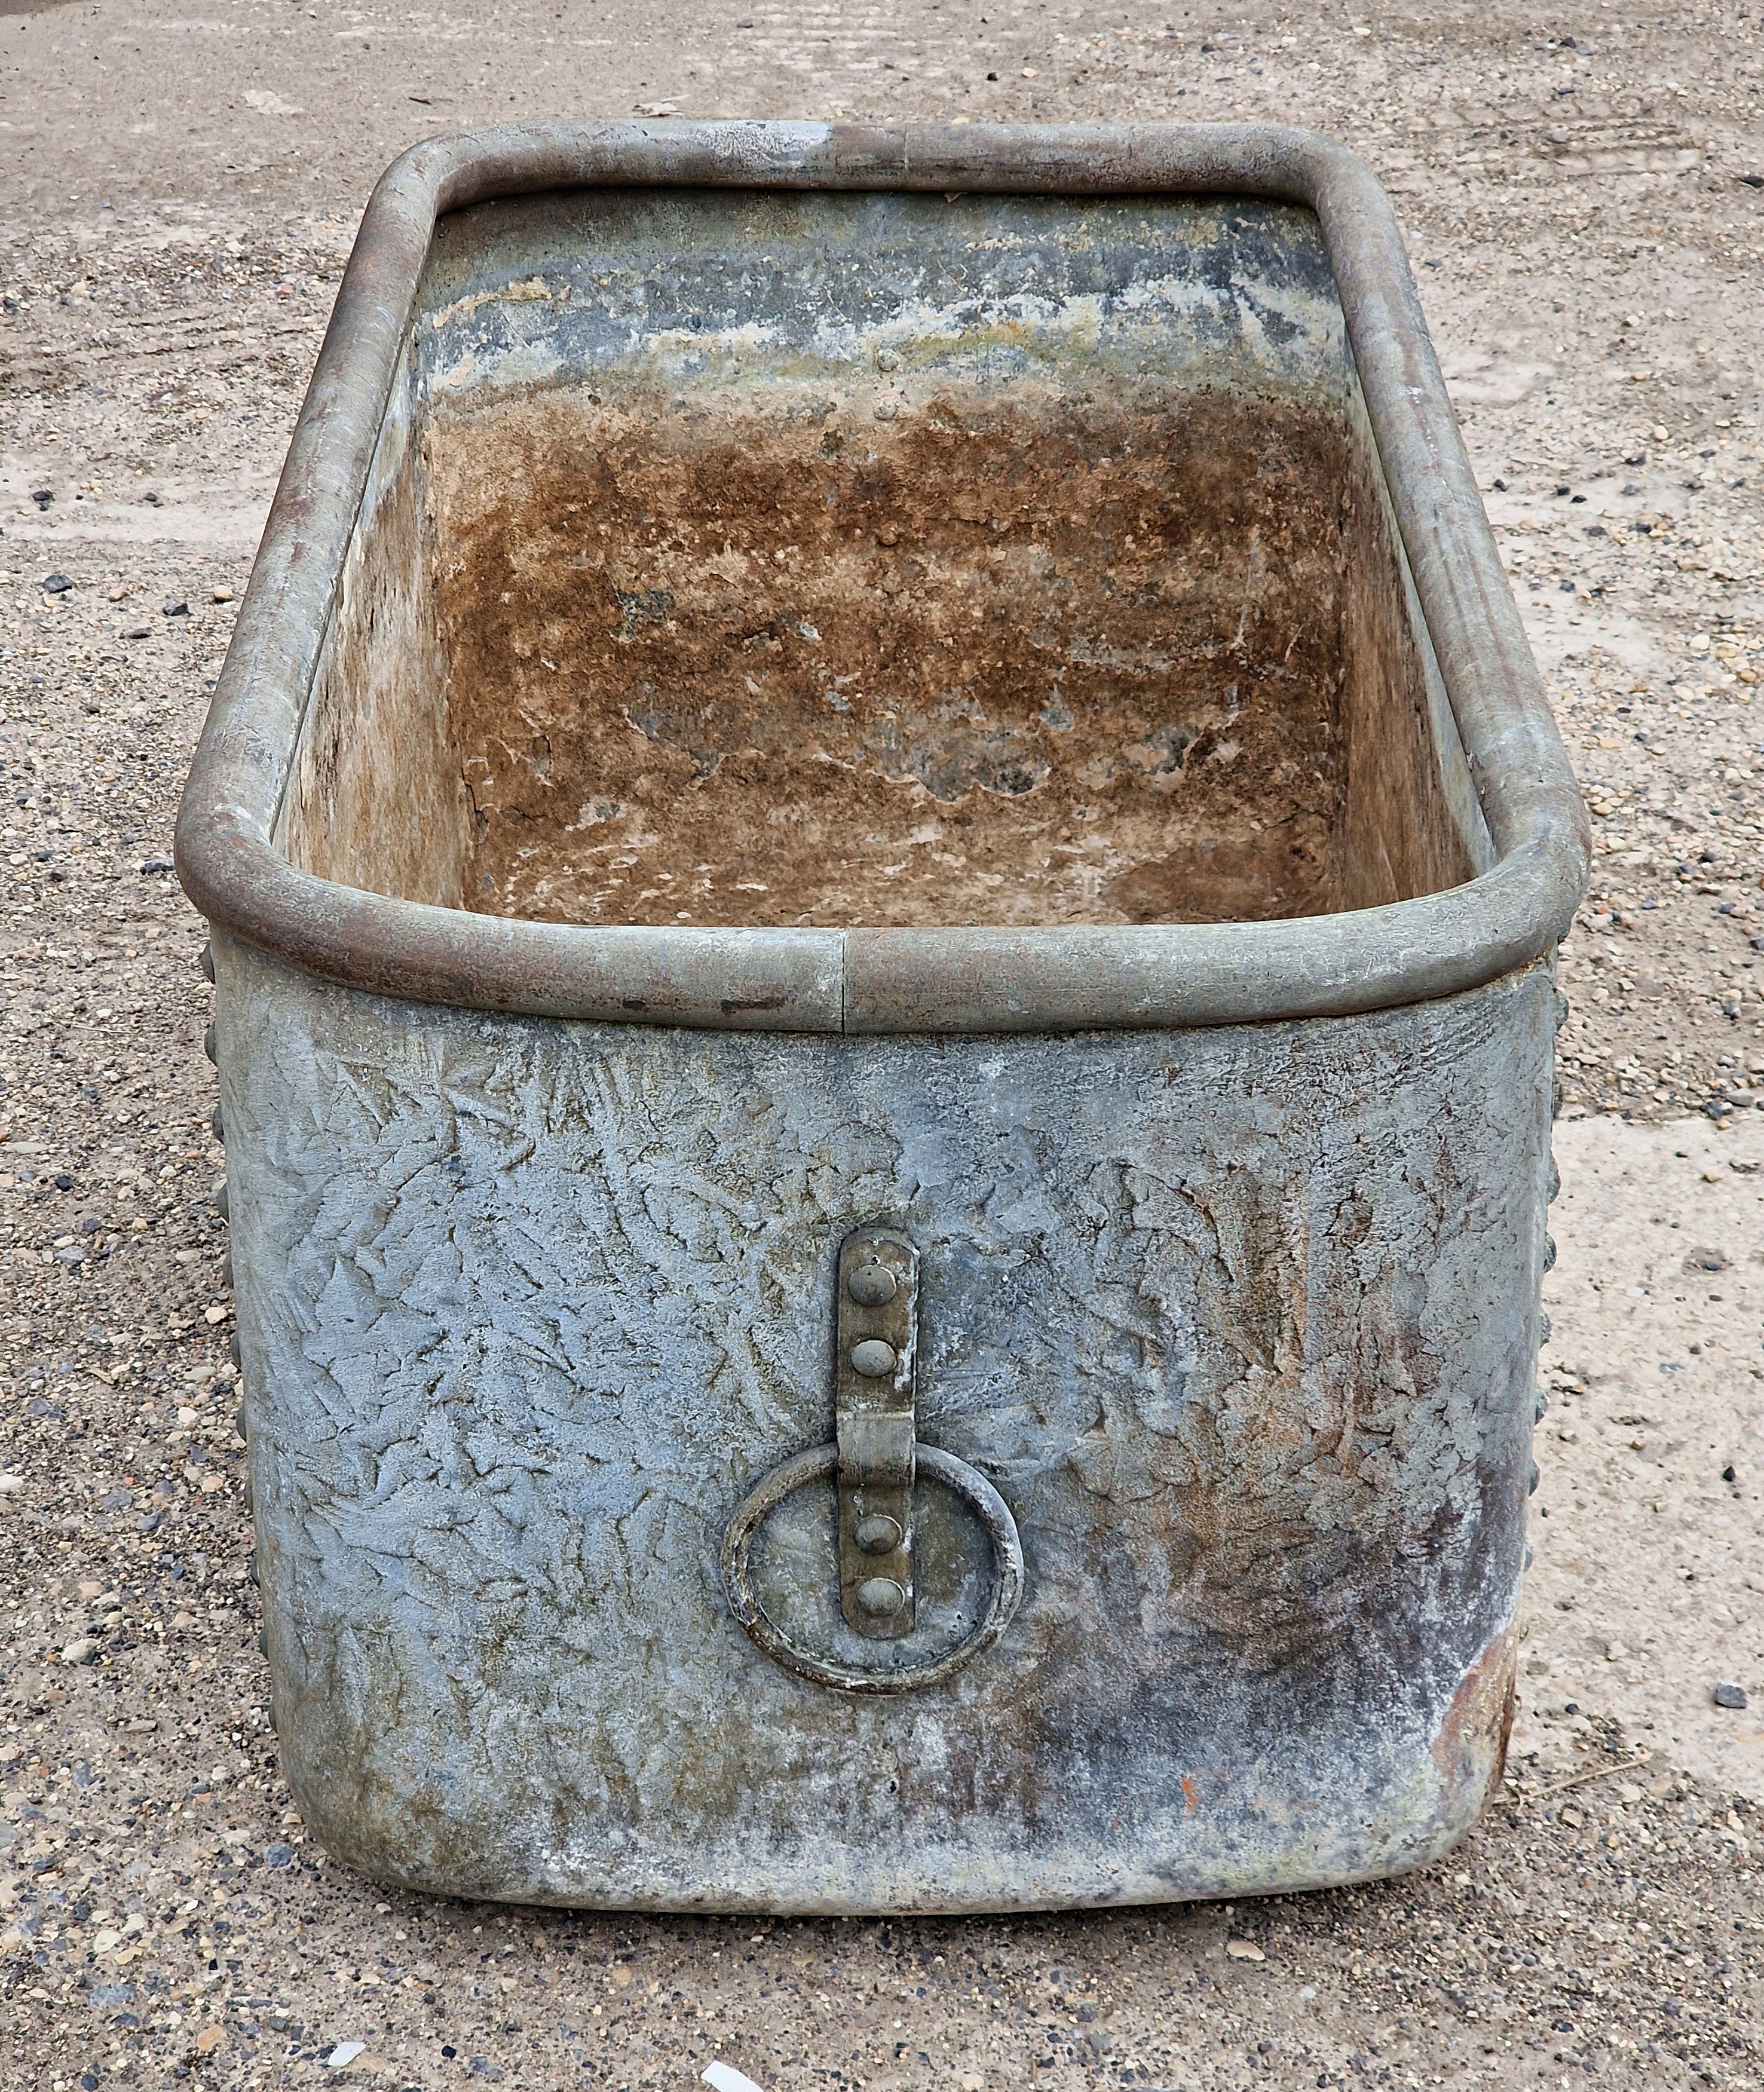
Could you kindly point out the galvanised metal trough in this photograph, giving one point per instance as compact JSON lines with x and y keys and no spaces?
{"x":884,"y":860}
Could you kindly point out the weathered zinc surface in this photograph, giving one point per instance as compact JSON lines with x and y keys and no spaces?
{"x":983,"y":571}
{"x":1240,"y":1323}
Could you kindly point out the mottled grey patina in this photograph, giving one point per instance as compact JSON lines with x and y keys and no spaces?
{"x":1241,"y":1322}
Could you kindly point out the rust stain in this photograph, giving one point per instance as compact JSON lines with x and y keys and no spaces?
{"x":1470,"y":1744}
{"x":1190,"y":1799}
{"x":1075,"y":657}
{"x":375,"y":799}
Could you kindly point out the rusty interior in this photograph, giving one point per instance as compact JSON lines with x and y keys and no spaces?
{"x":1114,"y":653}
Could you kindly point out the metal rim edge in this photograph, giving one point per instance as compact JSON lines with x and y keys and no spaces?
{"x":877,"y":981}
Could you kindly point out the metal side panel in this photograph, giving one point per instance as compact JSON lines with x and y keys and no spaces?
{"x":1238,"y":1324}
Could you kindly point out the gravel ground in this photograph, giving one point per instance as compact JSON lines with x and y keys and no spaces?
{"x":179,"y":196}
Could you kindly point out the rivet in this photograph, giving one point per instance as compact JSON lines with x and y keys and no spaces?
{"x":873,"y":1359}
{"x":1532,"y":1480}
{"x":872,"y":1285}
{"x":211,"y":1044}
{"x":1550,"y":1253}
{"x":881,"y":1597}
{"x":878,"y":1534}
{"x":235,"y":1350}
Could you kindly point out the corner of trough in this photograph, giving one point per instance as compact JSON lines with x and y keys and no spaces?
{"x":1469,"y":1746}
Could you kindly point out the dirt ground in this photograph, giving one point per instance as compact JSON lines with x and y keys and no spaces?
{"x":1584,"y":194}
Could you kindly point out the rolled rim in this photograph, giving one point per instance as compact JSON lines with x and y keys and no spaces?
{"x":874,"y":980}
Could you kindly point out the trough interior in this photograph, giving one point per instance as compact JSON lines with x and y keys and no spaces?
{"x":887,"y":636}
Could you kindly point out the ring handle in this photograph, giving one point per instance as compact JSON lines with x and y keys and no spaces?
{"x":822,"y":1462}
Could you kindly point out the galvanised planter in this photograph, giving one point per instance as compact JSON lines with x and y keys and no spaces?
{"x":883,"y":859}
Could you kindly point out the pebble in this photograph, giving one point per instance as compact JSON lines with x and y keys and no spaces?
{"x":56,"y":584}
{"x":12,"y":1485}
{"x":82,"y":1649}
{"x":224,"y":595}
{"x":1729,"y":1695}
{"x":138,"y":632}
{"x":175,"y":606}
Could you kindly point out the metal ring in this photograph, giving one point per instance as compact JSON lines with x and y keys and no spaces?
{"x":823,"y":1461}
